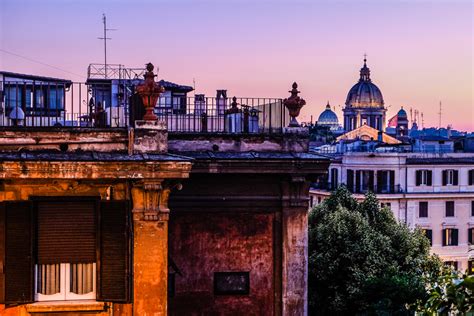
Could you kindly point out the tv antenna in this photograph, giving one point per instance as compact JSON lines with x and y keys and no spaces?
{"x":105,"y":38}
{"x":440,"y":113}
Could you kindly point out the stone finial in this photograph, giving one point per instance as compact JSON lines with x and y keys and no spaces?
{"x":294,"y":104}
{"x":149,"y":91}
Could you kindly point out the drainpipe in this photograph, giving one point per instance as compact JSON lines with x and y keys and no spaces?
{"x":404,"y":192}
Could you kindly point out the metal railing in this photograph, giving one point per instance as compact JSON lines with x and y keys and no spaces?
{"x":34,"y":104}
{"x":113,"y":71}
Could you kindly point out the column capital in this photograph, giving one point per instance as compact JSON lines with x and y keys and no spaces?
{"x":150,"y":199}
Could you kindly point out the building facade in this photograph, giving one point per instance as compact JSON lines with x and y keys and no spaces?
{"x":431,"y":191}
{"x":141,"y":220}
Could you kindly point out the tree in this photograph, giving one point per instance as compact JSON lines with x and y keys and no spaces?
{"x":450,"y":292}
{"x":361,"y":260}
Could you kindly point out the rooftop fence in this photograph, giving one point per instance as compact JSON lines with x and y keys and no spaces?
{"x":43,"y":104}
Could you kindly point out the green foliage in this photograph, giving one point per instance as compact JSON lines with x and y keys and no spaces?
{"x":362,"y":261}
{"x":450,"y":292}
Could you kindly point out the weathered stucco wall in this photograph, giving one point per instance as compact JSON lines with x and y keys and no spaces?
{"x":204,"y":243}
{"x":238,"y":143}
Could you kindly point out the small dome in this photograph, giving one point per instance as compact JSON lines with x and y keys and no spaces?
{"x":365,"y":94}
{"x":328,"y":117}
{"x":402,"y":113}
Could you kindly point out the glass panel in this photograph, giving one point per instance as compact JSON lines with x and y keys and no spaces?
{"x":48,"y":279}
{"x":82,"y":278}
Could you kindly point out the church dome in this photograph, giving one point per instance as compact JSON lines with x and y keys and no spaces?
{"x":328,"y":117}
{"x":402,"y":113}
{"x":365,"y":94}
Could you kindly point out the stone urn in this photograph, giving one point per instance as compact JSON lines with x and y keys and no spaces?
{"x":149,"y":91}
{"x":294,"y":104}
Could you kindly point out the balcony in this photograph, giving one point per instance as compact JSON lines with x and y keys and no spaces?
{"x":116,"y":105}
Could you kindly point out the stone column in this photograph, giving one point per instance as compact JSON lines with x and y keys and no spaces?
{"x":295,"y":246}
{"x":150,"y":248}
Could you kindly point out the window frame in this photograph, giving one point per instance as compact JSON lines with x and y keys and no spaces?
{"x":449,"y":209}
{"x":420,"y":209}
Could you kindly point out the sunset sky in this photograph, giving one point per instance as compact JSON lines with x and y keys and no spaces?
{"x":419,"y":52}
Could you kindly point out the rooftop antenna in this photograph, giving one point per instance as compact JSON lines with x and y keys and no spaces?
{"x":440,"y":113}
{"x":105,"y":38}
{"x":194,"y":86}
{"x":422,"y":121}
{"x":411,"y":116}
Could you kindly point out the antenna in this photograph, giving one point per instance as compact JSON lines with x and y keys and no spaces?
{"x":411,"y":116}
{"x":440,"y":113}
{"x":422,"y":121}
{"x":194,"y":86}
{"x":105,"y":38}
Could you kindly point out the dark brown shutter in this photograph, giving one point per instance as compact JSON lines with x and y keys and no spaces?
{"x":418,"y":177}
{"x":114,"y":252}
{"x":445,"y":177}
{"x":19,"y":263}
{"x":455,"y":237}
{"x":2,"y":252}
{"x":380,"y":181}
{"x":392,"y":181}
{"x":429,"y":235}
{"x":471,"y":177}
{"x":443,"y":232}
{"x":429,"y":180}
{"x":350,"y":180}
{"x":470,"y":232}
{"x":455,"y":177}
{"x":371,"y":180}
{"x":66,"y":231}
{"x":357,"y":189}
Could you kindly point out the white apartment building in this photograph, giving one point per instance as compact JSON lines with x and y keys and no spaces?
{"x":432,"y":191}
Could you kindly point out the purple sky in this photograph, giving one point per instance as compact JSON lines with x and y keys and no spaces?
{"x":419,"y":52}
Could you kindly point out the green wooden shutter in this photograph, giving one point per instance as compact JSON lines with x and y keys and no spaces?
{"x":114,"y":252}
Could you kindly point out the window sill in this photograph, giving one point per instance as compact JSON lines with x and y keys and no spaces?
{"x":65,"y":306}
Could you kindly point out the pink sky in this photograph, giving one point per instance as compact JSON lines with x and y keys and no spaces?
{"x":419,"y":52}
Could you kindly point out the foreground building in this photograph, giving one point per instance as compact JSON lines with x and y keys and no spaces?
{"x":185,"y":215}
{"x":427,"y":190}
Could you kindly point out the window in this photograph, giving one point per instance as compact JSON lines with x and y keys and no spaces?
{"x":423,"y":177}
{"x":311,"y":201}
{"x":429,"y":234}
{"x":364,"y":181}
{"x":387,"y":205}
{"x":472,"y":208}
{"x":65,"y":281}
{"x":453,"y":264}
{"x":450,"y":177}
{"x":471,"y":177}
{"x":470,"y":236}
{"x":470,"y":267}
{"x":385,"y":181}
{"x":423,"y":209}
{"x":450,"y":237}
{"x":449,"y":208}
{"x":64,"y":249}
{"x":334,"y":180}
{"x":350,"y":180}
